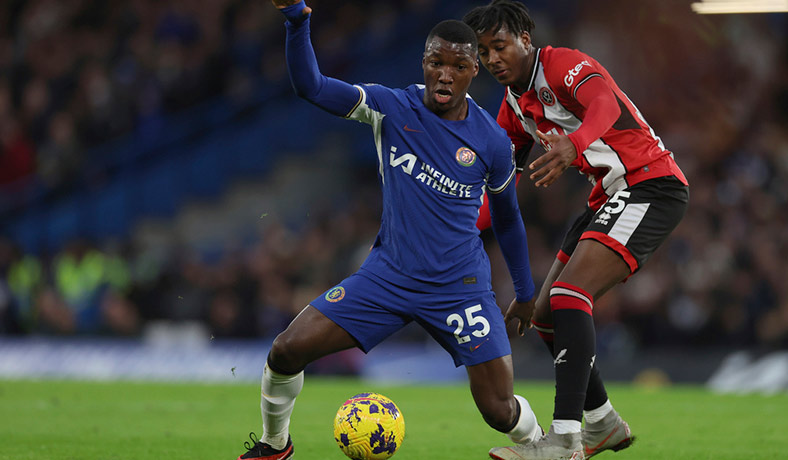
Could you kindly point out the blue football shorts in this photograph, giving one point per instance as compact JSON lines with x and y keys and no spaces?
{"x":468,"y":325}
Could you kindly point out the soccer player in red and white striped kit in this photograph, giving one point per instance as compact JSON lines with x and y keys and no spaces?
{"x":569,"y":103}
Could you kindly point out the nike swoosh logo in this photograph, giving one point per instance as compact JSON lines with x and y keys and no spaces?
{"x":594,"y":449}
{"x":477,"y":346}
{"x":411,"y":130}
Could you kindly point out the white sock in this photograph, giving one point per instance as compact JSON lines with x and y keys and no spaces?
{"x":566,"y":426}
{"x":278,"y":394}
{"x":527,"y":428}
{"x":595,"y":415}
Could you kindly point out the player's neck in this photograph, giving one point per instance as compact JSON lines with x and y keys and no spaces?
{"x":524,"y":82}
{"x":455,"y":113}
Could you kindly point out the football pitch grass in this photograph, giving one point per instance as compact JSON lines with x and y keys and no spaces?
{"x":65,"y":420}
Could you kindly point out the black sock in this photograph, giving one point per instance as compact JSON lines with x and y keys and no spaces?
{"x":596,"y":394}
{"x":574,"y":349}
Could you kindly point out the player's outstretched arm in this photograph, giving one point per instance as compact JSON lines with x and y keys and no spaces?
{"x":332,"y":95}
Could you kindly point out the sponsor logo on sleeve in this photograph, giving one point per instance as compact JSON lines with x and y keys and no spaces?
{"x":573,"y":72}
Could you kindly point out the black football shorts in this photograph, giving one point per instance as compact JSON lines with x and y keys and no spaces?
{"x":633,"y":222}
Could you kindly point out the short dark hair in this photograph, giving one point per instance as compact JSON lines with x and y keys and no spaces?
{"x":498,"y":14}
{"x":454,"y":31}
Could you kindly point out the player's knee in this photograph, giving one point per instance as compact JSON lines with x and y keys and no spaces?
{"x":500,"y":415}
{"x":284,"y":356}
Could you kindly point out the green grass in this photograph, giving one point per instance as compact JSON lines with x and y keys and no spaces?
{"x":84,"y":420}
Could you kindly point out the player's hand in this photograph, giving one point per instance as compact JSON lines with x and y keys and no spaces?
{"x":559,"y":156}
{"x":522,"y":311}
{"x":281,"y":4}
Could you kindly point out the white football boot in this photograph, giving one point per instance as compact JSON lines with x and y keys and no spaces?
{"x":610,"y":433}
{"x":551,"y":446}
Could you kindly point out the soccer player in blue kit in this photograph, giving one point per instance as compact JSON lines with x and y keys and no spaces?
{"x":438,"y":152}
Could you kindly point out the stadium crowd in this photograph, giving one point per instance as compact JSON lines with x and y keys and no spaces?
{"x":78,"y":73}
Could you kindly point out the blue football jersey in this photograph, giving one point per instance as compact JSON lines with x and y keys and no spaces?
{"x":433,"y":173}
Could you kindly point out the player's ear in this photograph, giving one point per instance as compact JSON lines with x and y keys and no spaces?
{"x":525,"y":38}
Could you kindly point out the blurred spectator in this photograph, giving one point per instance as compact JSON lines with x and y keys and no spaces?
{"x":61,"y":156}
{"x":23,"y":277}
{"x":86,"y":294}
{"x":228,"y":317}
{"x":17,"y":158}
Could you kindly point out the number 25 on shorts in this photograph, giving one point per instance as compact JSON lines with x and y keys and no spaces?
{"x":456,"y":319}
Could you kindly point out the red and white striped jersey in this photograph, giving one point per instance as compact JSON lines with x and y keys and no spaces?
{"x":628,"y":153}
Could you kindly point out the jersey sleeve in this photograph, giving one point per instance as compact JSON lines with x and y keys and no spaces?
{"x":582,"y":79}
{"x":602,"y":110}
{"x":332,"y":95}
{"x":376,"y":101}
{"x":503,"y":166}
{"x":569,"y":69}
{"x":507,"y":224}
{"x":521,"y":142}
{"x":505,"y":217}
{"x":484,"y":221}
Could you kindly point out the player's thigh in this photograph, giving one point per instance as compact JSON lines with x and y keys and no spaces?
{"x":468,"y":325}
{"x":594,"y":267}
{"x":369,"y":310}
{"x":572,"y":237}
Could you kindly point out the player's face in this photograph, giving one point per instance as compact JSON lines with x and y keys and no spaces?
{"x":508,"y":57}
{"x":449,"y":69}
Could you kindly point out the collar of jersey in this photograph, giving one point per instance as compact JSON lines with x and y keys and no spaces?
{"x":533,"y":76}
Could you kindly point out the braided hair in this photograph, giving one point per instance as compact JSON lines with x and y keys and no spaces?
{"x":499,"y":14}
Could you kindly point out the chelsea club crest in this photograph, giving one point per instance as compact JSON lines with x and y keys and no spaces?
{"x":336,"y":294}
{"x":465,"y":156}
